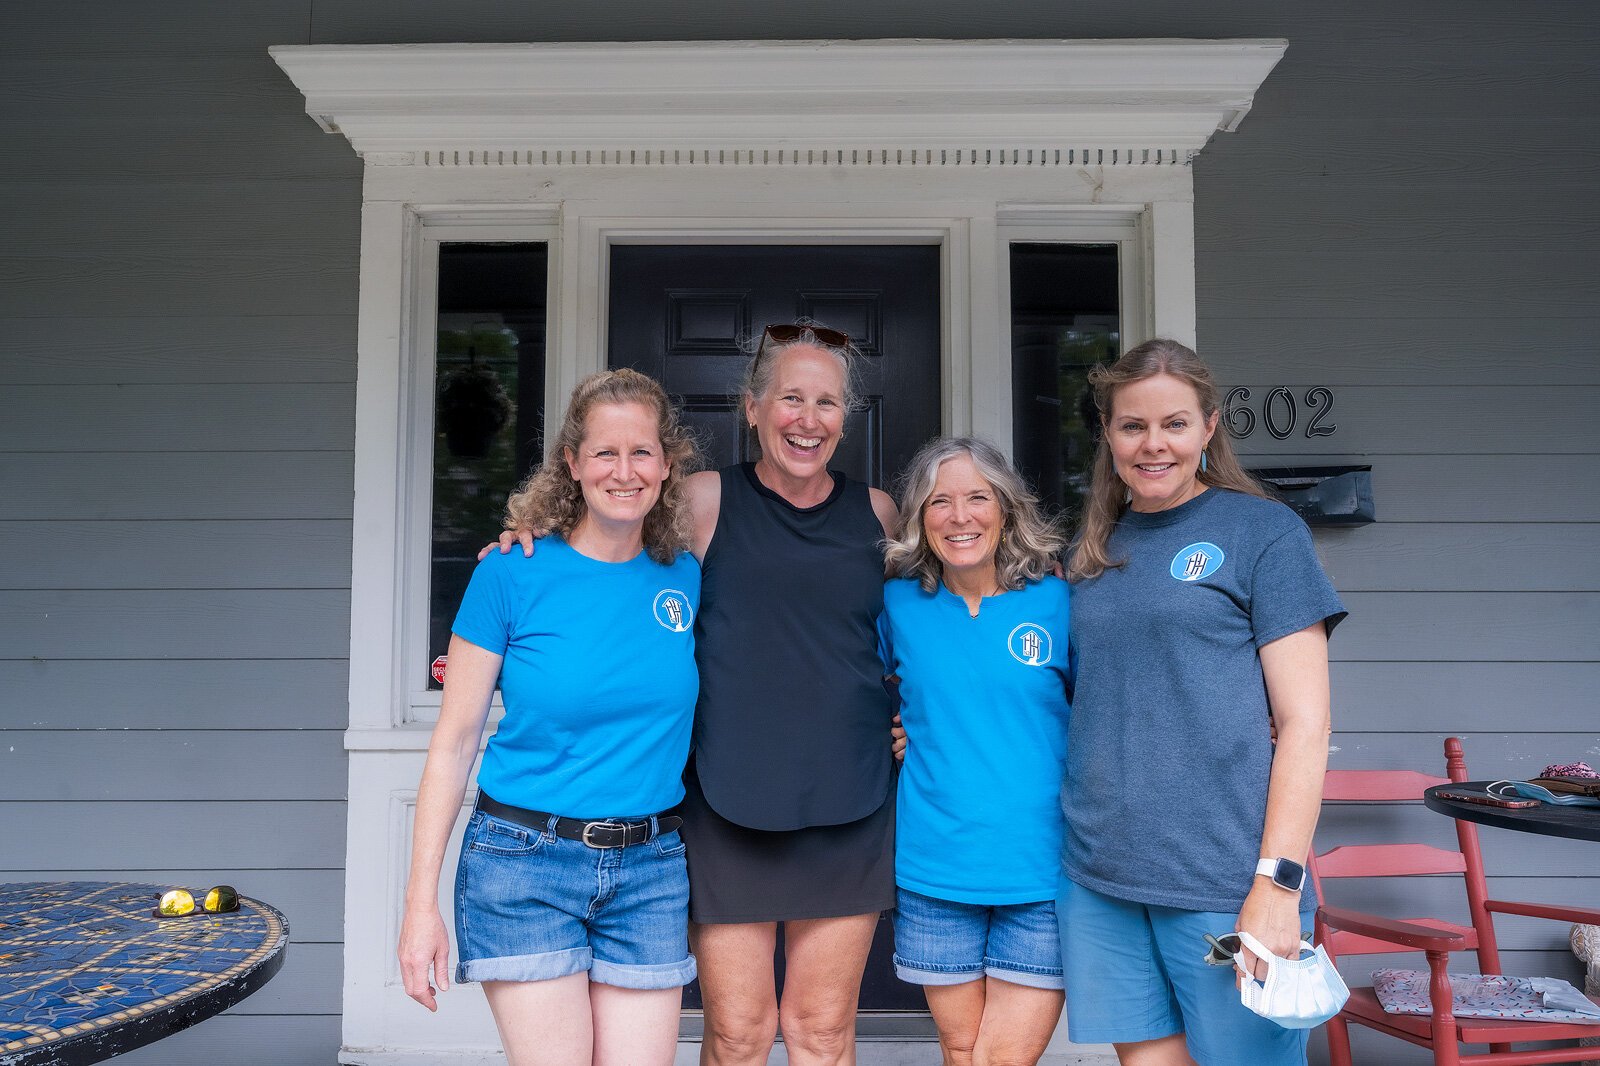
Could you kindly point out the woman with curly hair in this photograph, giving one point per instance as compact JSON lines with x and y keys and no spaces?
{"x":976,"y":629}
{"x":571,"y":898}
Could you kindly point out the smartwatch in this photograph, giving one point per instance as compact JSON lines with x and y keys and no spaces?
{"x":1285,"y":873}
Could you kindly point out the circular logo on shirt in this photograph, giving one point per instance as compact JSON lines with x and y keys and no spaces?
{"x":1197,"y":561}
{"x":1030,"y":644}
{"x":672,"y":610}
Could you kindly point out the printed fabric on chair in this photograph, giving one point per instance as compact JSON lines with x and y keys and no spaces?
{"x":1345,"y":932}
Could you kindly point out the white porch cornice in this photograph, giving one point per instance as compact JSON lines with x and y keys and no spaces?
{"x":897,"y":102}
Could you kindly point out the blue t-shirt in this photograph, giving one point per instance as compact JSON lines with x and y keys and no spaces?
{"x":598,"y":679}
{"x":1170,"y":749}
{"x":984,"y":704}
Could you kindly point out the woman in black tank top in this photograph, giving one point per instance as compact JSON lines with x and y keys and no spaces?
{"x":788,"y":815}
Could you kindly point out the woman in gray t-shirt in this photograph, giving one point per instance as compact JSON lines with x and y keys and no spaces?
{"x":1199,"y":607}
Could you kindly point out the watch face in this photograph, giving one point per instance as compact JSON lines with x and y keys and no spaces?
{"x":1290,"y":875}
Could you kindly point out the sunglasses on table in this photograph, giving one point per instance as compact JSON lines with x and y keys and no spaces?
{"x":784,"y":332}
{"x":1223,"y":948}
{"x":180,"y":902}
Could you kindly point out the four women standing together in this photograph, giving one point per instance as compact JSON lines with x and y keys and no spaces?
{"x":789,"y":809}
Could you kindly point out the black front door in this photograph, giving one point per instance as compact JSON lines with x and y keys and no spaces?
{"x":680,"y":314}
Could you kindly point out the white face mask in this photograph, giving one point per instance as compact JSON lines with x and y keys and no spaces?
{"x":1298,"y":993}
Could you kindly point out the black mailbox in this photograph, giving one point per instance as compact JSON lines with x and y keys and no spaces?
{"x":1323,"y":495}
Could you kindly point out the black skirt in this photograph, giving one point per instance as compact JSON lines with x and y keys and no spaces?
{"x":737,"y":874}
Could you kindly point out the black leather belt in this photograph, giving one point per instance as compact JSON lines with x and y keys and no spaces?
{"x":601,"y":834}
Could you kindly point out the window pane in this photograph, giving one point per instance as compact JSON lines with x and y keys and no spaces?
{"x":488,"y":408}
{"x":1065,"y":318}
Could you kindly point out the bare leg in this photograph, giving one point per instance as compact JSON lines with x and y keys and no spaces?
{"x":1168,"y":1051}
{"x":739,"y":990}
{"x":958,"y":1012}
{"x":523,"y":1012}
{"x":635,"y":1027}
{"x":823,"y":962}
{"x":1018,"y":1021}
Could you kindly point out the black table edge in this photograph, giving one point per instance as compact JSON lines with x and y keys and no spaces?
{"x":1566,"y":821}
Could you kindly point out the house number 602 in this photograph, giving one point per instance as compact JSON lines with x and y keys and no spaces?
{"x":1277,"y":412}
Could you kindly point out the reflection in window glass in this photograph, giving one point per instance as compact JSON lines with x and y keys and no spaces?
{"x":1065,"y":318}
{"x":488,"y":409}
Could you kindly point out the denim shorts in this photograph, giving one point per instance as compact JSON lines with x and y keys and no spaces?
{"x":532,"y":906}
{"x":1143,"y":966}
{"x":941,"y":942}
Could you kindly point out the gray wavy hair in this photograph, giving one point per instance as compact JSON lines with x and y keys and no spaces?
{"x":1030,"y":540}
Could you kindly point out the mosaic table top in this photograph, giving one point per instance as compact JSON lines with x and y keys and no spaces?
{"x":87,"y":970}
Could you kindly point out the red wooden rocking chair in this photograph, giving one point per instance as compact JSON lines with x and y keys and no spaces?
{"x":1346,"y":932}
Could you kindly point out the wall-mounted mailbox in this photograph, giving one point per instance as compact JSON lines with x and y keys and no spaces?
{"x":1323,"y":495}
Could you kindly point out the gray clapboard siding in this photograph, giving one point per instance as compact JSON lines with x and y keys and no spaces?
{"x":311,"y":900}
{"x":91,"y":486}
{"x":182,"y":418}
{"x":276,"y":834}
{"x":1469,"y":627}
{"x":281,"y":147}
{"x":172,"y":27}
{"x":1416,"y":352}
{"x":246,"y":1040}
{"x":1456,"y":487}
{"x":180,"y":92}
{"x":1443,"y":419}
{"x":179,"y":350}
{"x":1376,"y":697}
{"x":310,"y":983}
{"x":180,"y":624}
{"x":1462,"y":557}
{"x":80,"y":210}
{"x":237,"y":694}
{"x":128,"y":281}
{"x":178,"y":555}
{"x":1498,"y":751}
{"x":172,"y":764}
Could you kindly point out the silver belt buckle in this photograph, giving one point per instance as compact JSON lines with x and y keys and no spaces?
{"x":605,"y":825}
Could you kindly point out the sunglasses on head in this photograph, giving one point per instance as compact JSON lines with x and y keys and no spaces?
{"x":784,"y":332}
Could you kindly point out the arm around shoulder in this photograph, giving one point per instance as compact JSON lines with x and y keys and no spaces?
{"x":704,"y":490}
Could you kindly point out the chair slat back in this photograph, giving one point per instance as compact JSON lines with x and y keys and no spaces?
{"x":1376,"y":786}
{"x":1389,"y":860}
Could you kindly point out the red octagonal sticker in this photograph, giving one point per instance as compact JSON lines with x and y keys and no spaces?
{"x":437,"y":669}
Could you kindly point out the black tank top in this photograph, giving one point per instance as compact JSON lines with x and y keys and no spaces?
{"x":792,"y":727}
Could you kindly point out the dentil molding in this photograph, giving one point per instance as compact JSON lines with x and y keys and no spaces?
{"x":895,"y":103}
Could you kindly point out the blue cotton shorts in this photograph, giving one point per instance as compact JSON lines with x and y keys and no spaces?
{"x":532,"y":906}
{"x":942,"y":942}
{"x":1136,"y":973}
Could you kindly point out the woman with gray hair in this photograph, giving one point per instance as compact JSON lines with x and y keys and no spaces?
{"x":976,"y":629}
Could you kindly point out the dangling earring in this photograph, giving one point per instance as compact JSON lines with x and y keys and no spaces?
{"x":1202,"y":461}
{"x":1127,"y":494}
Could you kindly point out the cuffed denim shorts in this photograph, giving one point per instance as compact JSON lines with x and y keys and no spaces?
{"x":941,"y":942}
{"x":1138,"y":973}
{"x":531,"y":906}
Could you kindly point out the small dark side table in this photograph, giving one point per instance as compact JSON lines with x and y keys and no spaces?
{"x":87,"y":971}
{"x":1547,"y":819}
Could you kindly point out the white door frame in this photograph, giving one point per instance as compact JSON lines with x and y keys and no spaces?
{"x":586,"y":146}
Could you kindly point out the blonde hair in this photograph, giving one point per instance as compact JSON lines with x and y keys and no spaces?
{"x":1029,"y":540}
{"x":1107,"y":493}
{"x":551,"y":500}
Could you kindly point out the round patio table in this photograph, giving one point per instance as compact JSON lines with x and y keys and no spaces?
{"x":1547,"y":819}
{"x":88,"y":971}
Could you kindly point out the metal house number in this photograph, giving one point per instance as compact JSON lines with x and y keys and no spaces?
{"x":1278,"y":412}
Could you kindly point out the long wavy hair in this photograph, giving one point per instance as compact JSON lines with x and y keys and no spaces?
{"x":1030,"y":541}
{"x":1107,"y":492}
{"x":552,"y":501}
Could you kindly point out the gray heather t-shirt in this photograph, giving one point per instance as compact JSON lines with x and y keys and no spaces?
{"x":1169,"y":748}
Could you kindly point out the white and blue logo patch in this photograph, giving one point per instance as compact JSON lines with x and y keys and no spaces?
{"x":1030,"y":644}
{"x":672,"y":610}
{"x":1197,"y":561}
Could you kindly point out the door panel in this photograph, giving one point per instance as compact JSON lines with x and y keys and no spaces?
{"x":681,"y":315}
